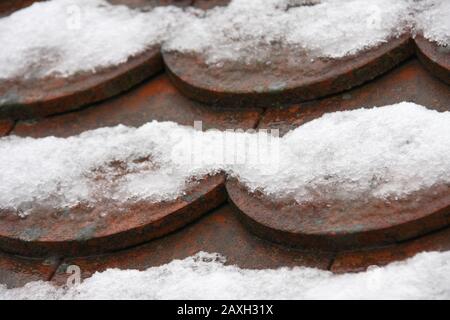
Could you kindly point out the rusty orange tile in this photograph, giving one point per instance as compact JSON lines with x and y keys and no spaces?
{"x":34,"y":98}
{"x":9,"y":6}
{"x":434,"y":57}
{"x":219,"y":232}
{"x":106,"y":226}
{"x":155,"y":99}
{"x":360,"y":260}
{"x":150,"y":3}
{"x":342,"y":225}
{"x":208,"y":4}
{"x":5,"y":127}
{"x":408,"y":82}
{"x":17,"y":271}
{"x":241,"y":85}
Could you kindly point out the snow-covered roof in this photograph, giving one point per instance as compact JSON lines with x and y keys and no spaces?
{"x":111,"y":145}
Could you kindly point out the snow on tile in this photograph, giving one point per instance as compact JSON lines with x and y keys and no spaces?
{"x":249,"y":30}
{"x":154,"y":163}
{"x":204,"y":276}
{"x":121,"y":164}
{"x":385,"y":152}
{"x":433,"y":20}
{"x":63,"y":37}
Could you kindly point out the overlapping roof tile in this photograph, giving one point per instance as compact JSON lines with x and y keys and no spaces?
{"x":284,"y":91}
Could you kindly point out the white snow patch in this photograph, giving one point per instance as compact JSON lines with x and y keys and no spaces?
{"x":121,"y":164}
{"x":385,"y":152}
{"x":433,"y":20}
{"x":204,"y":276}
{"x":381,"y":152}
{"x":249,"y":30}
{"x":63,"y":37}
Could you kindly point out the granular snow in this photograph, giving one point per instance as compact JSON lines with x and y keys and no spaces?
{"x":249,"y":30}
{"x":433,"y":20}
{"x":63,"y":37}
{"x":204,"y":276}
{"x":385,"y":152}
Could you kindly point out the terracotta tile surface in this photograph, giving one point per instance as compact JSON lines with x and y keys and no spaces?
{"x":156,"y":99}
{"x":151,"y":3}
{"x":208,"y":4}
{"x":159,"y":99}
{"x":34,"y":98}
{"x":5,"y":127}
{"x":342,"y":225}
{"x":243,"y":85}
{"x":361,"y":260}
{"x":9,"y":6}
{"x":220,"y":232}
{"x":141,"y":91}
{"x":434,"y":57}
{"x":408,"y":82}
{"x":108,"y":226}
{"x":17,"y":271}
